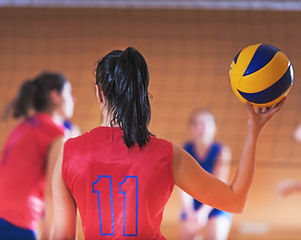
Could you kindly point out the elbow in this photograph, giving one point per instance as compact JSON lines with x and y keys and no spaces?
{"x":240,"y":205}
{"x":239,"y":210}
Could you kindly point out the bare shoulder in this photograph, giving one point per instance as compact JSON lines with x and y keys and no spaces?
{"x":176,"y":151}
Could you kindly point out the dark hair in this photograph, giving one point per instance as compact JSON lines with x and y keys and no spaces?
{"x":123,"y":78}
{"x":34,"y":94}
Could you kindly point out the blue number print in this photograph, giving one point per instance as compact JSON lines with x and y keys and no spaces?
{"x":129,"y":229}
{"x":130,"y":201}
{"x":103,"y":200}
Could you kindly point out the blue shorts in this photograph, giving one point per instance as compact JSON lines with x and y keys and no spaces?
{"x":12,"y":232}
{"x":219,"y":213}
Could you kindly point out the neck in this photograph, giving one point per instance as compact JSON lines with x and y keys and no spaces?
{"x":202,"y":143}
{"x":57,"y":118}
{"x":107,"y":118}
{"x":106,"y":123}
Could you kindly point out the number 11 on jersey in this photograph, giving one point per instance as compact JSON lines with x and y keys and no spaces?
{"x":129,"y":189}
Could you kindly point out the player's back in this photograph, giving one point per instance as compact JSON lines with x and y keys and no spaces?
{"x":120,"y":192}
{"x":22,"y":170}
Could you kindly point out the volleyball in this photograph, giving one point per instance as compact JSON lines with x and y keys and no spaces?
{"x":261,"y":74}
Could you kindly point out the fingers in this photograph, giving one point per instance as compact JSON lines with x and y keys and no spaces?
{"x":250,"y":108}
{"x":276,"y":108}
{"x":280,"y":104}
{"x":268,"y":110}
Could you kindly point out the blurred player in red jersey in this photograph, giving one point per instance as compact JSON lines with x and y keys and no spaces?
{"x":120,"y":176}
{"x":215,"y":158}
{"x":29,"y":155}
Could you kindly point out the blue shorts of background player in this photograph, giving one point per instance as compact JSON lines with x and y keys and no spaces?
{"x":213,"y":213}
{"x":11,"y":232}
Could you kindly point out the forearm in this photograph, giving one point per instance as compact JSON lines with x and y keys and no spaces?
{"x":245,"y":172}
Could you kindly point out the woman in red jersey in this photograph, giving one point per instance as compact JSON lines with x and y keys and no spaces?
{"x":119,"y":176}
{"x":29,"y":155}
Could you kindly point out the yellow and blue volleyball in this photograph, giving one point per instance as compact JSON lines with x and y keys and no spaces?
{"x":261,"y":74}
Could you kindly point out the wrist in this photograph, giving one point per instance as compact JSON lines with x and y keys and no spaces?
{"x":253,"y":131}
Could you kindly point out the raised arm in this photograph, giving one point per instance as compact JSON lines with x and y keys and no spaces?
{"x":64,"y":208}
{"x":206,"y":187}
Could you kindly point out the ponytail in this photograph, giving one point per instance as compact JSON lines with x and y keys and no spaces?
{"x":21,"y":105}
{"x":123,"y":77}
{"x":34,"y":94}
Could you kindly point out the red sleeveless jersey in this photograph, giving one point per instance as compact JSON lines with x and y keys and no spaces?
{"x":120,"y":192}
{"x":22,"y":170}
